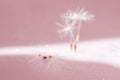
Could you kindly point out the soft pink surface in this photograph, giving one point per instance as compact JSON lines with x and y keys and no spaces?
{"x":18,"y":68}
{"x":28,"y":22}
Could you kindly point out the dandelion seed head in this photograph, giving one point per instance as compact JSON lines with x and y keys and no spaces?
{"x":66,"y":30}
{"x":81,"y":15}
{"x":72,"y":15}
{"x":73,"y":21}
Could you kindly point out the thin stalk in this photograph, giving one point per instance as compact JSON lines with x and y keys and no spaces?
{"x":77,"y":36}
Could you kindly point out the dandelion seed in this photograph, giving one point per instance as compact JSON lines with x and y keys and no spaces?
{"x":79,"y":15}
{"x":66,"y":29}
{"x":73,"y":21}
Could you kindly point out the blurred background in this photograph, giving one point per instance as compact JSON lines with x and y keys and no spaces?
{"x":33,"y":22}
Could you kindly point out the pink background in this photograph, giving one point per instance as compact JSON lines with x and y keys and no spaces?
{"x":18,"y":68}
{"x":31,"y":22}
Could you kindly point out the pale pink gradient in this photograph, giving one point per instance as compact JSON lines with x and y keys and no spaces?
{"x":33,"y":22}
{"x":18,"y":68}
{"x":30,"y":22}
